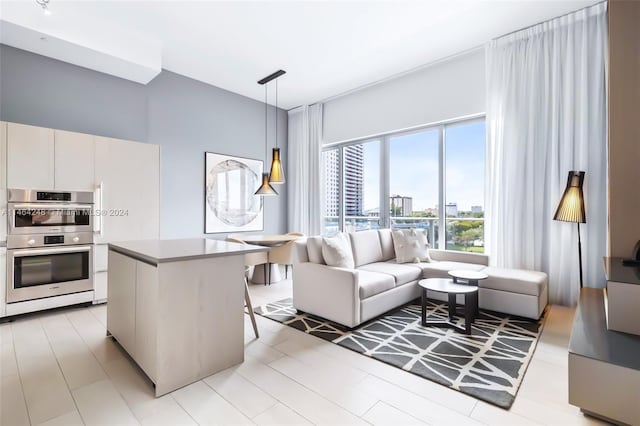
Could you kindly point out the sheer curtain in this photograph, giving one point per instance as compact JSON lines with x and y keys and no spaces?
{"x":304,"y":151}
{"x":546,"y":115}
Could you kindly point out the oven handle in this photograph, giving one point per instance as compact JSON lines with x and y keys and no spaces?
{"x":51,"y":206}
{"x":44,"y":251}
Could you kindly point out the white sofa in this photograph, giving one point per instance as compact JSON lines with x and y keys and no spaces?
{"x":379,"y":284}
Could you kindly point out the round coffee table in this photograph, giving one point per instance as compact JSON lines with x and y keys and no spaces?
{"x":471,"y":277}
{"x":462,"y":276}
{"x":446,"y":285}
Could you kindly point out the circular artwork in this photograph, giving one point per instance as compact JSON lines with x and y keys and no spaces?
{"x":230,"y":193}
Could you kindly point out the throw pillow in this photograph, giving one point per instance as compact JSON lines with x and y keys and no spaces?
{"x":421,"y":236}
{"x":337,"y":251}
{"x":411,"y":246}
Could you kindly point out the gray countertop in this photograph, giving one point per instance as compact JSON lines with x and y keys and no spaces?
{"x":162,"y":251}
{"x":590,"y":337}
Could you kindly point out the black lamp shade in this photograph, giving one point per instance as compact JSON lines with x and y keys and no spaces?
{"x":266,"y":188}
{"x":571,"y":207}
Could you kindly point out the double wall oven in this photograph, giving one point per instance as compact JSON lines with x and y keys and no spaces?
{"x":49,"y":244}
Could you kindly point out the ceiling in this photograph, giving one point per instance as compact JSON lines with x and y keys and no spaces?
{"x":326,"y":47}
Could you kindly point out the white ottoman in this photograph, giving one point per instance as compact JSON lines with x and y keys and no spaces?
{"x":514,"y":291}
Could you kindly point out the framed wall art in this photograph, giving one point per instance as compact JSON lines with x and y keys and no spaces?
{"x":230,"y":203}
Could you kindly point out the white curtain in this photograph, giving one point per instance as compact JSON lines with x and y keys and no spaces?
{"x":546,"y":115}
{"x":304,"y":148}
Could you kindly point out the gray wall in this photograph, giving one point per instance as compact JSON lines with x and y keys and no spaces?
{"x":185,"y":117}
{"x":445,"y":90}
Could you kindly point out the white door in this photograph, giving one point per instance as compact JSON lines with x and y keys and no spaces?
{"x":74,"y":161}
{"x":30,"y":157}
{"x":129,"y":173}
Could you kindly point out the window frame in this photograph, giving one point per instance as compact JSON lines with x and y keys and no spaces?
{"x":384,"y":184}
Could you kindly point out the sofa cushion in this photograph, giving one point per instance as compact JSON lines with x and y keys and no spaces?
{"x":337,"y":251}
{"x":314,"y":250}
{"x":515,"y":281}
{"x":410,"y":246}
{"x":372,"y":283}
{"x":401,"y":273}
{"x":366,"y":247}
{"x":386,"y":243}
{"x":441,"y":269}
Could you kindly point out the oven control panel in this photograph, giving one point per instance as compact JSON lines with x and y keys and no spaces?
{"x":53,"y":239}
{"x":43,"y":240}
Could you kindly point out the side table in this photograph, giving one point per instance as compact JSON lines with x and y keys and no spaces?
{"x":445,"y":285}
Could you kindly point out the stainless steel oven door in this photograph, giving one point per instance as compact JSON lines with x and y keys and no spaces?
{"x":47,"y":218}
{"x":48,"y":271}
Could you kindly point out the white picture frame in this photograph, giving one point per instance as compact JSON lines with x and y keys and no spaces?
{"x":229,"y":201}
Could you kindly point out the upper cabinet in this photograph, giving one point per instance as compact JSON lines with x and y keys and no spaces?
{"x":74,"y":161}
{"x":3,"y":155}
{"x":125,"y":176}
{"x":129,"y":175}
{"x":3,"y":194}
{"x":30,"y":157}
{"x":41,"y":158}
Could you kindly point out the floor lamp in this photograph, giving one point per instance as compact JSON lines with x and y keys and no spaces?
{"x":571,"y":207}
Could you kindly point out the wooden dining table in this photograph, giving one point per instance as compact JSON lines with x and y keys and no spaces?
{"x":266,"y":240}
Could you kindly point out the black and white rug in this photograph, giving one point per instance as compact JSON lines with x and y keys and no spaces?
{"x":489,"y":364}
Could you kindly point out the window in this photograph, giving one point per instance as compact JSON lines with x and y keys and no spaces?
{"x":361,"y":171}
{"x":331,"y":199}
{"x":401,"y":181}
{"x":413,"y":181}
{"x":464,"y":186}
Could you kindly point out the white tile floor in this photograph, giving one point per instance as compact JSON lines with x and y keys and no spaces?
{"x":58,"y":368}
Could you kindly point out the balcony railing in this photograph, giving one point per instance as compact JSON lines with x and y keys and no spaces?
{"x":462,"y":233}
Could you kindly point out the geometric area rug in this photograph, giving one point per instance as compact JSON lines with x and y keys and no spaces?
{"x":489,"y":364}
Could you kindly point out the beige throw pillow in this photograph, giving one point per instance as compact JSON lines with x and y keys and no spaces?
{"x":411,"y":246}
{"x":337,"y":251}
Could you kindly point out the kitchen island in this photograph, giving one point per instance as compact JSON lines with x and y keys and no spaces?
{"x":176,"y":306}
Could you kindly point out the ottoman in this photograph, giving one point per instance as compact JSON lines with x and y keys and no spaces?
{"x":514,"y":291}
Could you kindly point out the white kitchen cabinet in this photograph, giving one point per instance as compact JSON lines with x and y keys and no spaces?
{"x":3,"y":281}
{"x":100,"y":277}
{"x":74,"y":161}
{"x":3,"y":183}
{"x":30,"y":157}
{"x":3,"y":154}
{"x":146,"y":314}
{"x":100,"y":287}
{"x":129,"y":173}
{"x":122,"y":300}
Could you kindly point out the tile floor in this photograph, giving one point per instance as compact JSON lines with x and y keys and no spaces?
{"x":58,"y":368}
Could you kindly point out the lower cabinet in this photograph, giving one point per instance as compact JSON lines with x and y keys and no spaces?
{"x":132,"y":308}
{"x":100,"y":276}
{"x":122,"y":300}
{"x":3,"y":281}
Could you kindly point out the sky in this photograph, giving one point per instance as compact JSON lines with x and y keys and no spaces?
{"x":414,"y":167}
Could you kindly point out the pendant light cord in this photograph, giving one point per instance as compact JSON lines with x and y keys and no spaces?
{"x":276,"y":113}
{"x":266,"y":135}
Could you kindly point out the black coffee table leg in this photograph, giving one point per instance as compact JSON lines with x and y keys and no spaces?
{"x":469,"y":311}
{"x":452,"y":306}
{"x":424,"y":306}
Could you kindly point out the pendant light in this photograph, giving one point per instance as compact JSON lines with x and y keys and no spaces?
{"x":276,"y":176}
{"x":265,"y":189}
